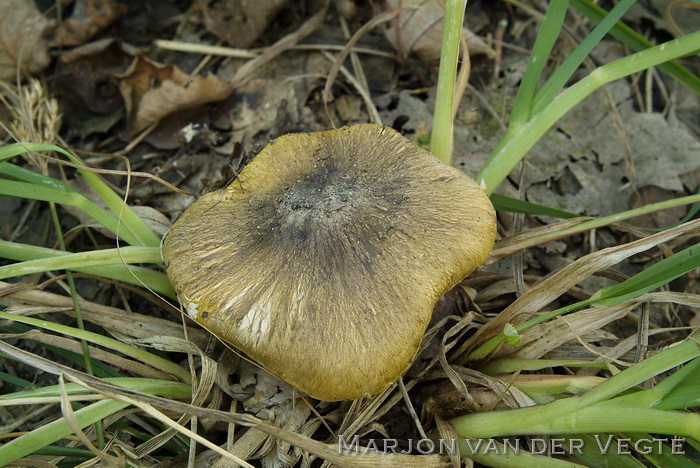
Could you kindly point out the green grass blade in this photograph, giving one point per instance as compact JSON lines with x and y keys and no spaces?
{"x":10,"y":188}
{"x":636,"y":42}
{"x":132,"y":383}
{"x":684,"y":396}
{"x":682,"y":379}
{"x":650,"y":278}
{"x":644,"y":370}
{"x":442,"y":137}
{"x":508,"y":365}
{"x":513,"y":205}
{"x":592,"y":455}
{"x":56,"y":430}
{"x":100,"y":369}
{"x":546,"y":38}
{"x":59,"y":429}
{"x":556,"y":82}
{"x":614,"y":218}
{"x":692,"y":212}
{"x":129,"y":219}
{"x":494,"y":453}
{"x":25,"y":175}
{"x":14,"y":380}
{"x":593,"y":419}
{"x":71,"y":261}
{"x":663,"y":458}
{"x":507,"y":155}
{"x":562,"y":385}
{"x":483,"y":350}
{"x":137,"y":275}
{"x":680,"y":390}
{"x":647,"y":280}
{"x":140,"y":355}
{"x":59,"y":451}
{"x":591,"y":412}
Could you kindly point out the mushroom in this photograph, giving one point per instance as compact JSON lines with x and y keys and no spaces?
{"x":324,"y":259}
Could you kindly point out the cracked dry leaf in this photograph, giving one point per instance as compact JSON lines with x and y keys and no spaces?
{"x":239,"y":22}
{"x":418,"y":30}
{"x":88,"y":18}
{"x":584,"y":156}
{"x":23,"y":41}
{"x":153,"y":91}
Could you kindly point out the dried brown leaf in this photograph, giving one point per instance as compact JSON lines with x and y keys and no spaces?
{"x":88,"y":18}
{"x":418,"y":30}
{"x":153,"y":91}
{"x":23,"y":42}
{"x":262,"y":101}
{"x":85,"y":77}
{"x":239,"y":22}
{"x":652,"y":194}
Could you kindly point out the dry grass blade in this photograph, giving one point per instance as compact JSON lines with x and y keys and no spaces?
{"x":447,"y":432}
{"x":201,"y":389}
{"x":371,"y":108}
{"x":539,"y":340}
{"x":246,"y":445}
{"x":48,"y":401}
{"x":557,"y":284}
{"x":330,"y":452}
{"x":111,"y":318}
{"x":69,"y":416}
{"x":362,"y":412}
{"x":109,"y":357}
{"x":32,"y":413}
{"x":463,"y":76}
{"x":449,"y":371}
{"x":338,"y":62}
{"x":246,"y":71}
{"x":151,"y":411}
{"x":128,"y":173}
{"x":532,"y":237}
{"x":411,"y":409}
{"x":509,"y":395}
{"x":686,"y":299}
{"x":102,"y":386}
{"x":204,"y":49}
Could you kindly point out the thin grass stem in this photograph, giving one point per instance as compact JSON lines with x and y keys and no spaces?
{"x":565,"y":71}
{"x":442,"y":137}
{"x":502,"y":161}
{"x":152,"y":360}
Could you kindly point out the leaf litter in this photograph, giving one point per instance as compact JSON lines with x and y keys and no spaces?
{"x":24,"y":33}
{"x":233,"y":105}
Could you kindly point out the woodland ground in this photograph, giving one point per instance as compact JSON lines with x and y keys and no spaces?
{"x":112,"y":78}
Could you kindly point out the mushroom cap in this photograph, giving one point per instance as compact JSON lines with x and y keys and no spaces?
{"x":324,"y":260}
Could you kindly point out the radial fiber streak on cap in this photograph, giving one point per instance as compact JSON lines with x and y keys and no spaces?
{"x":324,"y":260}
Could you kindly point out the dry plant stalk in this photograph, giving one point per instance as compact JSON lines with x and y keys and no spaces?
{"x":35,"y":116}
{"x":552,"y":287}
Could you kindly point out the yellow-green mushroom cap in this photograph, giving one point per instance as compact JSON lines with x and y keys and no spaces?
{"x":324,"y":260}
